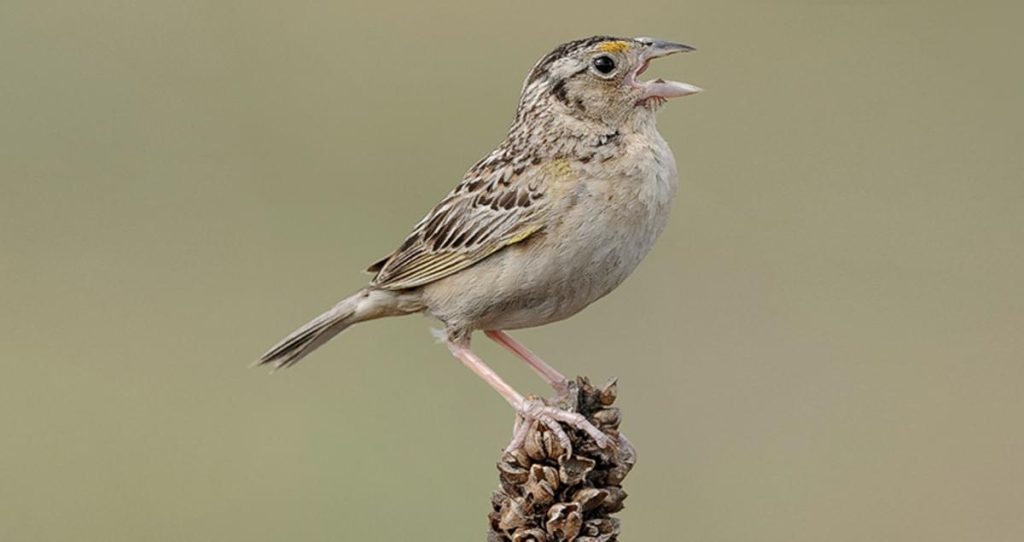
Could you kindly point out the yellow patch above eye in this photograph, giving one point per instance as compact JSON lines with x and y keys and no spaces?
{"x":613,"y":46}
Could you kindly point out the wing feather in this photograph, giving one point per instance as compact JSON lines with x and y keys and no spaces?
{"x":485,"y":213}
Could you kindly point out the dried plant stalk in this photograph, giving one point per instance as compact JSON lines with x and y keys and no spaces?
{"x":548,"y":494}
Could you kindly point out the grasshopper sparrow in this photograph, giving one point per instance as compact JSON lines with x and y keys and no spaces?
{"x":557,"y":216}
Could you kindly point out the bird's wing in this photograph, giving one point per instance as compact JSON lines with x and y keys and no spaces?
{"x":489,"y":210}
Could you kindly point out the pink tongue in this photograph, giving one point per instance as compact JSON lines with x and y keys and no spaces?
{"x":669,"y":89}
{"x":643,"y":68}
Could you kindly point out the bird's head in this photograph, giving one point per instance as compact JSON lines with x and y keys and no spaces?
{"x":598,"y":79}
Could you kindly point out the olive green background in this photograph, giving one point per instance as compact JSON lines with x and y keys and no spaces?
{"x":826,"y":344}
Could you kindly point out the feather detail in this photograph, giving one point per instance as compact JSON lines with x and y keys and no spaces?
{"x":496,"y":205}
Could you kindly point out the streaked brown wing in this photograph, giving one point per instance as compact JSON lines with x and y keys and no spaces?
{"x":478,"y":218}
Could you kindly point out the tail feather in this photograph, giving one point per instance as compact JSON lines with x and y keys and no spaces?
{"x":365,"y":304}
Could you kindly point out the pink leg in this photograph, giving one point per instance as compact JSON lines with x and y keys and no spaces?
{"x":530,"y":410}
{"x":477,"y":365}
{"x":550,"y":375}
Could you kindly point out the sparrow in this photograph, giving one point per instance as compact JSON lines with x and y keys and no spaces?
{"x":553,"y":219}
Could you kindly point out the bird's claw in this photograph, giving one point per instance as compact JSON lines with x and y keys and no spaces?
{"x":533,"y":411}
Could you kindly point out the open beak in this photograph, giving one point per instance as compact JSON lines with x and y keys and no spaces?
{"x":659,"y":89}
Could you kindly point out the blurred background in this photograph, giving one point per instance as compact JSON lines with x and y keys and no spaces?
{"x":826,"y":344}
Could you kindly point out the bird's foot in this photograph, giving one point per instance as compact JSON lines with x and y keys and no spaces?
{"x":564,"y":391}
{"x":533,"y":411}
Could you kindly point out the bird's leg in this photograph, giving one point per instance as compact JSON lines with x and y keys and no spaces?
{"x":550,"y":375}
{"x":531,"y":410}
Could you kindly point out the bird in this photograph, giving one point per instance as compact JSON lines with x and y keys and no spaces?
{"x":553,"y":219}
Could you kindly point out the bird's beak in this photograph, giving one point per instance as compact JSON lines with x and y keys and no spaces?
{"x":659,"y":88}
{"x":655,"y":48}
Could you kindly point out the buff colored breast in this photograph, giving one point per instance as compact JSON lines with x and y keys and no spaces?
{"x":607,"y":222}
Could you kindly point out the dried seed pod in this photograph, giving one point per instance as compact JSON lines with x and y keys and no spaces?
{"x":627,"y":458}
{"x":548,"y":495}
{"x":551,"y":476}
{"x":572,"y":470}
{"x":608,"y":392}
{"x":513,"y":514}
{"x":565,"y":520}
{"x":497,"y":498}
{"x":513,"y":473}
{"x":607,"y":417}
{"x":534,"y":443}
{"x":613,"y":502}
{"x":598,"y":538}
{"x":530,"y":535}
{"x":604,"y":526}
{"x":538,"y":488}
{"x":553,"y":445}
{"x":590,"y":498}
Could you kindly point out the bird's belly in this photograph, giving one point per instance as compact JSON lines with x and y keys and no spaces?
{"x":567,"y":268}
{"x":573,"y":284}
{"x":581,"y":269}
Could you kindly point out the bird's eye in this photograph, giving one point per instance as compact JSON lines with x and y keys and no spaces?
{"x":604,"y":64}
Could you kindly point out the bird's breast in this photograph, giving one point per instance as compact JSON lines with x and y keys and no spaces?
{"x":605,"y":226}
{"x":622,"y":205}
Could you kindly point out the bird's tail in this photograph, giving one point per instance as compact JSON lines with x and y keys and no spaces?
{"x":366,"y":304}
